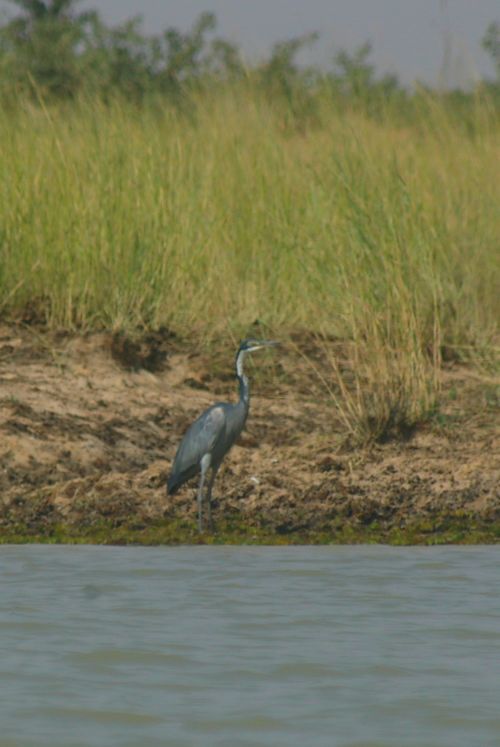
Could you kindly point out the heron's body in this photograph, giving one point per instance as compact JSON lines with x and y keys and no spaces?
{"x":214,"y":432}
{"x":209,"y":438}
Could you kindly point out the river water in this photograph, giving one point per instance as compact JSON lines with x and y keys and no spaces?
{"x":249,"y":647}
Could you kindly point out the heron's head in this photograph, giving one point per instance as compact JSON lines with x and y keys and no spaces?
{"x":250,"y":345}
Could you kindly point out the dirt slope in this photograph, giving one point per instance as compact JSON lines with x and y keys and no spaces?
{"x":87,"y":435}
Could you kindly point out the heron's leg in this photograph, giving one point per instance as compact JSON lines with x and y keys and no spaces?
{"x":204,"y":465}
{"x":209,"y":496}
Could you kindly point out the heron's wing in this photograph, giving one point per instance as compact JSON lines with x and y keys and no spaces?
{"x":201,"y":438}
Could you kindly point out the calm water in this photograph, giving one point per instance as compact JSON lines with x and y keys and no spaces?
{"x":241,"y":647}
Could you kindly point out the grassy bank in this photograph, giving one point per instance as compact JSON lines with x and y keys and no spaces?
{"x":233,"y":209}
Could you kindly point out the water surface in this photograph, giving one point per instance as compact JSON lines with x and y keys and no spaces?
{"x":249,"y":647}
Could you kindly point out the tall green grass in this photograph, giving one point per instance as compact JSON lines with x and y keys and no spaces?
{"x":207,"y":219}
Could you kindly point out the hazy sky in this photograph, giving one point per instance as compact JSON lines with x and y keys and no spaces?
{"x":410,"y":37}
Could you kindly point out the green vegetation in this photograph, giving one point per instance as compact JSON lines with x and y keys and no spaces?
{"x":458,"y":529}
{"x":149,"y":182}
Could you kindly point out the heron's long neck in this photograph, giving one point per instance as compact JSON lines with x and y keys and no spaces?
{"x":242,"y":379}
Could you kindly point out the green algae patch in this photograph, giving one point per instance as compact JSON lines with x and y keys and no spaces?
{"x":440,"y":530}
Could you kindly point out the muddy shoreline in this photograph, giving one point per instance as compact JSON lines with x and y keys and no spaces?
{"x":89,"y":425}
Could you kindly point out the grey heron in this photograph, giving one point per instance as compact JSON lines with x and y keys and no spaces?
{"x":209,"y":438}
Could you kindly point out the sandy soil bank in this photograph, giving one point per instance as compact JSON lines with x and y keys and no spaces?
{"x":88,"y":433}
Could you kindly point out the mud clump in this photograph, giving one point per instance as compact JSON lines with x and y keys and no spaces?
{"x":148,"y":351}
{"x":89,"y":426}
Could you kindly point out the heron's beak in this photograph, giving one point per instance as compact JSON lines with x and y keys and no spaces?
{"x":264,"y":344}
